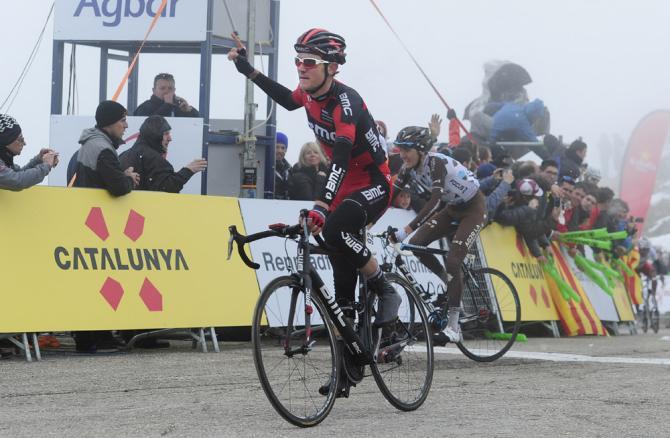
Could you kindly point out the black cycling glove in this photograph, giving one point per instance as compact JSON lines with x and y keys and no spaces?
{"x":242,"y":64}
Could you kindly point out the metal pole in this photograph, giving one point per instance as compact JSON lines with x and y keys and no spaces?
{"x":249,"y":172}
{"x":104,"y":66}
{"x":57,"y":77}
{"x":271,"y":127}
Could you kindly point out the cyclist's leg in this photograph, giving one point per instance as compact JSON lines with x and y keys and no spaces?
{"x":341,"y":231}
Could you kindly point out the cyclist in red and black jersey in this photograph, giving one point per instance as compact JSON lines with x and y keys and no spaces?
{"x":357,"y":189}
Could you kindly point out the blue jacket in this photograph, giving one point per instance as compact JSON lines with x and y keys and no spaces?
{"x":513,"y":121}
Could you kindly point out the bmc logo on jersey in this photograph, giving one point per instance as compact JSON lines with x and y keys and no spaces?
{"x":333,"y":181}
{"x":346,"y":104}
{"x":322,"y":132}
{"x":373,"y":139}
{"x":115,"y":10}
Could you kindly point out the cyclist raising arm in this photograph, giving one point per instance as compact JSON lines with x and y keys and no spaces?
{"x":455,"y":195}
{"x":357,"y":189}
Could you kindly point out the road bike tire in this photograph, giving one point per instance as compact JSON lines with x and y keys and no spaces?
{"x":655,"y":316}
{"x":482,"y":340}
{"x":403,"y":368}
{"x":291,"y":383}
{"x":645,"y":317}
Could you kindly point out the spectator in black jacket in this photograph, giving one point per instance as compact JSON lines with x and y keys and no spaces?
{"x":526,"y":215}
{"x":98,"y":167}
{"x":282,"y":167}
{"x":573,"y":158}
{"x":164,"y":101}
{"x":97,"y":160}
{"x":309,"y":173}
{"x":148,"y":158}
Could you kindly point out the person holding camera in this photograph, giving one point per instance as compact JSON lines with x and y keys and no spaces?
{"x":12,"y":176}
{"x":164,"y":102}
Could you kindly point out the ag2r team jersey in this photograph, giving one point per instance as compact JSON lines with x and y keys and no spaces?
{"x":448,"y":181}
{"x":349,"y":137}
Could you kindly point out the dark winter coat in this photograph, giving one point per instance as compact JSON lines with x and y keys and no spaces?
{"x":158,"y":107}
{"x":98,"y":163}
{"x":282,"y":175}
{"x":570,"y":164}
{"x":534,"y":229}
{"x":305,"y":183}
{"x":147,"y":157}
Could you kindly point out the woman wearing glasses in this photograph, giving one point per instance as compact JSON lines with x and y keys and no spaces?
{"x":12,"y":176}
{"x":357,"y":189}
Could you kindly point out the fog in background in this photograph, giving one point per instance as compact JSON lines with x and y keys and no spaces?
{"x":599,"y":65}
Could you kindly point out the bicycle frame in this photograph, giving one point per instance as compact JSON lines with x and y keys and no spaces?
{"x":312,"y":284}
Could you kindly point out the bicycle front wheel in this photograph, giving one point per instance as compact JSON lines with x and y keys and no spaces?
{"x":291,"y":372}
{"x":645,"y":317}
{"x":491,"y":315}
{"x":403,"y":368}
{"x":655,"y":316}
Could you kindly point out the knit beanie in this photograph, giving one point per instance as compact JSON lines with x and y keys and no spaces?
{"x":9,"y":130}
{"x":108,"y":113}
{"x":282,"y":138}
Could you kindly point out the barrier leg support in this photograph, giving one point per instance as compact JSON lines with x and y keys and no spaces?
{"x":26,"y":347}
{"x":215,"y":340}
{"x":38,"y":353}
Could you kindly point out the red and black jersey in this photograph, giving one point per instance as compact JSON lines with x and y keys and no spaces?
{"x":347,"y":133}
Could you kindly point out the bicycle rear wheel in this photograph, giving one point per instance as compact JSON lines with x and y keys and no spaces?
{"x":290,"y":373}
{"x":403,"y":368}
{"x":491,"y":315}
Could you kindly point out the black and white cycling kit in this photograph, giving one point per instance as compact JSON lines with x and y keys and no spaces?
{"x":454,"y":195}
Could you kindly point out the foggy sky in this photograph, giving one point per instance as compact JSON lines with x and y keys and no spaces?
{"x":599,"y":65}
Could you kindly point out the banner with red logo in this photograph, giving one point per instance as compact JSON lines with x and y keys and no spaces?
{"x":642,"y":160}
{"x":80,"y":259}
{"x":506,"y":251}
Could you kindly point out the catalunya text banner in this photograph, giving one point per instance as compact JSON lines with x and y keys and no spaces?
{"x":576,"y":318}
{"x":641,"y":162}
{"x":506,"y":251}
{"x":82,"y":260}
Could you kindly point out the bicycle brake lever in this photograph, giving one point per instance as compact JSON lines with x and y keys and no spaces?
{"x":397,"y":248}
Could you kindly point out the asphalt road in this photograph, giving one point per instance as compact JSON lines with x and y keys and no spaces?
{"x":617,"y":386}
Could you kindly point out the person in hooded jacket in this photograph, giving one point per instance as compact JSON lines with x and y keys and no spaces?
{"x":309,"y":173}
{"x":571,"y":161}
{"x":148,"y":157}
{"x":98,"y":163}
{"x":12,"y":176}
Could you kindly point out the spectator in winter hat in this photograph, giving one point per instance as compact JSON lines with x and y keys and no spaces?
{"x":282,"y":167}
{"x":12,"y":176}
{"x":98,"y":163}
{"x":148,"y":157}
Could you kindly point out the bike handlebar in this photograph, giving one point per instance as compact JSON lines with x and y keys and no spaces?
{"x":276,"y":230}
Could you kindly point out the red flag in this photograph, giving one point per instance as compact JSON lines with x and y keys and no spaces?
{"x":642,"y":160}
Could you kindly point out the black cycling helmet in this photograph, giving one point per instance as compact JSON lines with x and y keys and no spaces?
{"x":415,"y":137}
{"x":329,"y":46}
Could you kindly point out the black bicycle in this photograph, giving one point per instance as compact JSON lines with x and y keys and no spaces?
{"x":307,"y":351}
{"x":491,"y":311}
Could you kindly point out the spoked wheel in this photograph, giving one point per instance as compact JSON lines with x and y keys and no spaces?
{"x":654,"y":316}
{"x":491,"y":315}
{"x":404,"y":362}
{"x":645,"y":318}
{"x":291,"y":372}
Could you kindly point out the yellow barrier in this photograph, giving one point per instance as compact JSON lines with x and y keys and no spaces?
{"x":506,"y":251}
{"x":78,"y":259}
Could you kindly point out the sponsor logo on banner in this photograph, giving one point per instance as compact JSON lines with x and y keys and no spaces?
{"x":121,"y":259}
{"x":112,"y":12}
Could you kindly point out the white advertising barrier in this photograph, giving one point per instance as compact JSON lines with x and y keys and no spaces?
{"x":128,"y":20}
{"x":276,"y":256}
{"x":186,"y":144}
{"x":602,"y":303}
